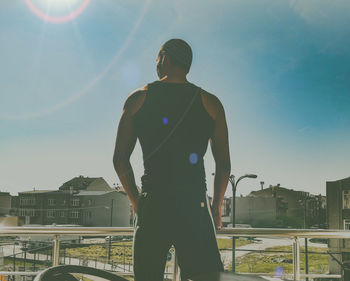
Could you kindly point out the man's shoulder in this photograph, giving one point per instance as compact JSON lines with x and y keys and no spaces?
{"x":211,"y":103}
{"x":136,"y":99}
{"x":136,"y":94}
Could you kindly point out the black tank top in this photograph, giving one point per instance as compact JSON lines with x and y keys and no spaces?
{"x":173,"y":128}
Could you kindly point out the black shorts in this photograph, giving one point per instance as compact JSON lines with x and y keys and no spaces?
{"x":182,"y":219}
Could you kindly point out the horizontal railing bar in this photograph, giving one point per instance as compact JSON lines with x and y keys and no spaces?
{"x":64,"y":231}
{"x":27,"y":273}
{"x":311,"y":275}
{"x":314,"y":275}
{"x":276,"y":251}
{"x":290,"y":275}
{"x":237,"y":232}
{"x":284,"y":233}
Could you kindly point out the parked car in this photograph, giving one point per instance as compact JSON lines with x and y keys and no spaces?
{"x":116,"y":238}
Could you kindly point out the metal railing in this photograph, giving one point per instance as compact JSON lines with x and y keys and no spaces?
{"x":293,"y":234}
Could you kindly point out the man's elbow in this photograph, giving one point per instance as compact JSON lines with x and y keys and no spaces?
{"x":223,"y":167}
{"x":119,"y":161}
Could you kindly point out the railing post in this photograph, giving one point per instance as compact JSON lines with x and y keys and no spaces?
{"x":233,"y":254}
{"x":176,"y":276}
{"x":306,"y":261}
{"x":56,"y":250}
{"x":296,"y":259}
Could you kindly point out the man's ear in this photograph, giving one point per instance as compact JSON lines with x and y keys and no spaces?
{"x":166,"y":60}
{"x":162,"y":59}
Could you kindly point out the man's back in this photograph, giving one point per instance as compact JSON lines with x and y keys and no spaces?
{"x":173,"y":128}
{"x":174,"y":120}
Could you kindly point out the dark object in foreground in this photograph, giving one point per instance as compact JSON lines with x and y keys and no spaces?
{"x":63,"y":273}
{"x":239,"y":277}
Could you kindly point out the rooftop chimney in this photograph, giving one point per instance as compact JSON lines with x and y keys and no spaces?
{"x":262,"y":185}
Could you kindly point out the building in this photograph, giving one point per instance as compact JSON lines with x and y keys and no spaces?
{"x":85,"y":183}
{"x":34,"y":207}
{"x":5,"y":203}
{"x":264,"y":209}
{"x":103,"y":208}
{"x":303,"y":209}
{"x":226,"y":215}
{"x":292,"y":197}
{"x":80,"y":201}
{"x":338,"y":217}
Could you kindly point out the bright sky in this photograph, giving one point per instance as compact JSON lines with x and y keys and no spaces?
{"x":280,"y":68}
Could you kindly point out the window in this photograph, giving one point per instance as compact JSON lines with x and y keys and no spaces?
{"x":88,"y":215}
{"x":62,"y":214}
{"x":347,"y":224}
{"x":90,"y":202}
{"x":30,"y":212}
{"x":52,"y":202}
{"x":27,"y":201}
{"x":74,"y":214}
{"x":346,"y":199}
{"x":50,"y":214}
{"x":75,"y":202}
{"x":27,"y":212}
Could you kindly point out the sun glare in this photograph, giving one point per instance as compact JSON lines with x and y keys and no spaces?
{"x":57,"y":11}
{"x":58,"y":4}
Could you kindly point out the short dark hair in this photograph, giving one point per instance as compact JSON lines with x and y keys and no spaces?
{"x":179,"y":51}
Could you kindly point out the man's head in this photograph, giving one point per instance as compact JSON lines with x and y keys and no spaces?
{"x":175,"y":54}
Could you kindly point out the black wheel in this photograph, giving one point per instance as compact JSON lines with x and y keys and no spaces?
{"x":63,"y":273}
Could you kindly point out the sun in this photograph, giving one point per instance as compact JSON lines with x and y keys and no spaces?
{"x":57,"y":11}
{"x":58,"y":4}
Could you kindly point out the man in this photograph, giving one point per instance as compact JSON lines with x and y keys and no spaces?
{"x":174,"y":120}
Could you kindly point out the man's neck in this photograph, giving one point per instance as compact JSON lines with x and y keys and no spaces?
{"x":174,"y":79}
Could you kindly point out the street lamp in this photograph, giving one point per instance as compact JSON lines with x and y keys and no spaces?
{"x":233,"y":211}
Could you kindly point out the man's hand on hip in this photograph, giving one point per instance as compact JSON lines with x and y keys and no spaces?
{"x":216,"y":212}
{"x":134,"y":204}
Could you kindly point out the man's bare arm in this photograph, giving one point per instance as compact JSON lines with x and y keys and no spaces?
{"x":220,"y":149}
{"x":124,"y":146}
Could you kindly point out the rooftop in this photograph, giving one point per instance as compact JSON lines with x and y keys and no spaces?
{"x":86,"y":183}
{"x":98,"y":192}
{"x":36,"y":191}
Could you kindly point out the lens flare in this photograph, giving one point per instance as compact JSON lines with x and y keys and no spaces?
{"x":193,"y":158}
{"x":86,"y":89}
{"x":57,"y":19}
{"x":278,"y":272}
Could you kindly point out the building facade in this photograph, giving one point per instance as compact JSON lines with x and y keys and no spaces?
{"x":5,"y":203}
{"x":80,"y":201}
{"x":103,"y":208}
{"x":303,"y":208}
{"x":252,"y":209}
{"x":338,"y":217}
